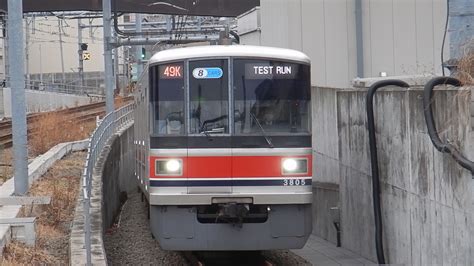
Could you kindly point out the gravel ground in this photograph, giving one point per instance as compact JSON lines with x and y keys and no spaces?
{"x":130,"y":242}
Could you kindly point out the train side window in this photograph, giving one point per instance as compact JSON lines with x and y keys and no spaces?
{"x":167,"y":99}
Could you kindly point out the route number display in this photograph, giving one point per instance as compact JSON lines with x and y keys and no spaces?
{"x":171,"y":72}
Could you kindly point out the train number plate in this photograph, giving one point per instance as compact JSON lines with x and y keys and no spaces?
{"x":294,"y":182}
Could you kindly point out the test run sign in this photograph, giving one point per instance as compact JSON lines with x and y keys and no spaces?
{"x":265,"y":71}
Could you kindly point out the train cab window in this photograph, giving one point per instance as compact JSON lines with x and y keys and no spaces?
{"x":167,"y":99}
{"x":209,"y":97}
{"x":271,"y":96}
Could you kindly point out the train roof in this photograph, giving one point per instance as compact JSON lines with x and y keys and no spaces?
{"x":228,"y":50}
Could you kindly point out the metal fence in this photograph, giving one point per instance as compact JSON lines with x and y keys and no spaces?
{"x":93,"y":83}
{"x":106,"y":128}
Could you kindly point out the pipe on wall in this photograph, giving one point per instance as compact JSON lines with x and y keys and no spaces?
{"x":359,"y":38}
{"x":375,"y":164}
{"x":431,"y":125}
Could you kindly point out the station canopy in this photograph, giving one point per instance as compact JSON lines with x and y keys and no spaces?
{"x":218,"y":8}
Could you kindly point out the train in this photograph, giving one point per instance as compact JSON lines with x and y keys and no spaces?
{"x":223,"y":147}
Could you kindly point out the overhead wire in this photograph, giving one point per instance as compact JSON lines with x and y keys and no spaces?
{"x":51,"y":31}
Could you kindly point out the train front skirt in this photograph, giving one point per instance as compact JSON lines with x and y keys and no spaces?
{"x":182,"y":228}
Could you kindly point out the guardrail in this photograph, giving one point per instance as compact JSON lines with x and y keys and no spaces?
{"x":106,"y":128}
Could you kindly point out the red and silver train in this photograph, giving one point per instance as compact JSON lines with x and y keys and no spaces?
{"x":223,"y":137}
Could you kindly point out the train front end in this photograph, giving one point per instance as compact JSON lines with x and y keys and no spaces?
{"x":230,"y":157}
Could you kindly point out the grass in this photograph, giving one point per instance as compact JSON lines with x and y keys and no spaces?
{"x":17,"y":253}
{"x":53,"y":128}
{"x":61,"y":182}
{"x":53,"y":222}
{"x":466,"y":69}
{"x":6,"y":168}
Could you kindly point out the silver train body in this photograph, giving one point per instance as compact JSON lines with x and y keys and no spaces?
{"x":223,"y":147}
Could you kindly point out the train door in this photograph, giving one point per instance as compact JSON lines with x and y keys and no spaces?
{"x":209,"y":147}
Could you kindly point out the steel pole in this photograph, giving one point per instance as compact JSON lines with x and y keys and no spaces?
{"x":41,"y":67}
{"x":108,"y":65}
{"x":80,"y":52}
{"x":116,"y":69}
{"x":61,"y":49}
{"x":359,"y":26}
{"x":138,"y":51}
{"x":16,"y":60}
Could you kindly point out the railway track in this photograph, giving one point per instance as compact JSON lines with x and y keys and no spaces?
{"x":79,"y":114}
{"x":229,"y":258}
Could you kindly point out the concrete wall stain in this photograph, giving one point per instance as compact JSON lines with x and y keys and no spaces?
{"x":426,"y":195}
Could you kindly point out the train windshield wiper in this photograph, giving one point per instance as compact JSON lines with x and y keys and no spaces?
{"x":264,"y":134}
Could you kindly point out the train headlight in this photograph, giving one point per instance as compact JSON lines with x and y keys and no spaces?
{"x":166,"y":167}
{"x":173,"y":166}
{"x":291,"y":166}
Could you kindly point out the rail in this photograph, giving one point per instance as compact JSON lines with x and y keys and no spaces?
{"x":106,"y":128}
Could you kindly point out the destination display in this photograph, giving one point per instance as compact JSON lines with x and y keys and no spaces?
{"x":174,"y":71}
{"x":266,"y":71}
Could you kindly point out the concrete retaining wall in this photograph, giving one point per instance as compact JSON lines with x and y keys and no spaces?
{"x":41,"y":101}
{"x":325,"y":162}
{"x":325,"y":199}
{"x":426,"y":196}
{"x":119,"y":166}
{"x":117,"y":160}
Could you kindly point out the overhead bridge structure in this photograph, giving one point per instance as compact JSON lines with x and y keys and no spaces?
{"x":219,"y":8}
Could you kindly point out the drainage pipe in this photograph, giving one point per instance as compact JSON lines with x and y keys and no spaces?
{"x":375,"y":164}
{"x":431,"y":125}
{"x":359,"y":38}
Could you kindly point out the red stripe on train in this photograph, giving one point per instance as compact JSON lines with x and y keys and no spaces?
{"x":231,"y":166}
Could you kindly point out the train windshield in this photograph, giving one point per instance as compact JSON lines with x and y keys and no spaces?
{"x":271,"y":97}
{"x":167,"y":99}
{"x":209,"y":97}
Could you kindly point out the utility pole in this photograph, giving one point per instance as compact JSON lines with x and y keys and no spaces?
{"x":80,"y":52}
{"x":16,"y":60}
{"x":108,"y":65}
{"x":61,"y":49}
{"x":41,"y":68}
{"x":138,"y":51}
{"x":27,"y":52}
{"x":5,"y":50}
{"x":116,"y":68}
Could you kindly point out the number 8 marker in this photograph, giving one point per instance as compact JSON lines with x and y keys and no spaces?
{"x":207,"y":73}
